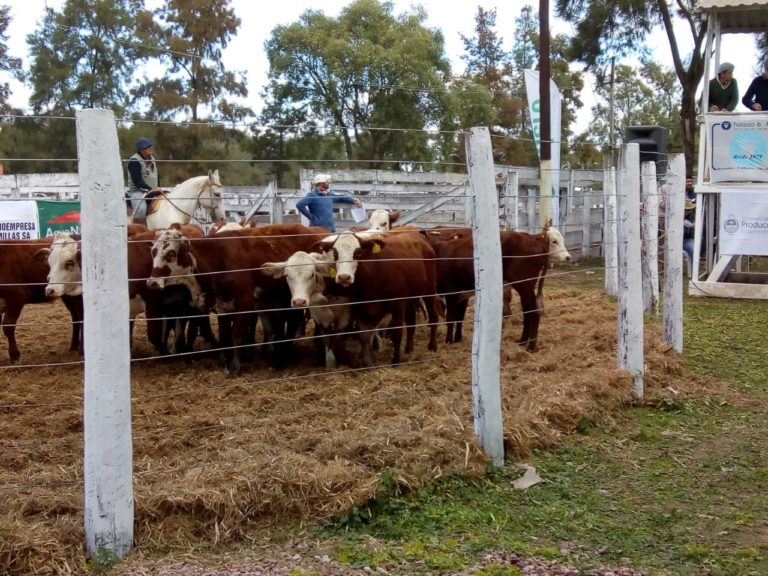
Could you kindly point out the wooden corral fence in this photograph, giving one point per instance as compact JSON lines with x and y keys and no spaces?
{"x":424,"y":198}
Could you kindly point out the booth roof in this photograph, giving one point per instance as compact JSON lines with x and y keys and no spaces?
{"x":738,"y":17}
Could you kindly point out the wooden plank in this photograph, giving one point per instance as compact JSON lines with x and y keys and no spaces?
{"x":728,"y":290}
{"x":486,"y":338}
{"x":722,"y":267}
{"x":630,"y":333}
{"x":610,"y":234}
{"x":433,"y":205}
{"x":673,"y":253}
{"x":257,"y":203}
{"x":650,"y":235}
{"x":107,"y":453}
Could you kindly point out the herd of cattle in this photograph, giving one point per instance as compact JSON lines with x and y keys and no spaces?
{"x":347,"y":283}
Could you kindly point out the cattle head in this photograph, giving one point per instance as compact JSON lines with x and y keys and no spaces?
{"x":557,"y":250}
{"x":305,"y":274}
{"x":172,"y":261}
{"x":381,"y":220}
{"x":223,"y":225}
{"x":65,"y":273}
{"x":346,"y":249}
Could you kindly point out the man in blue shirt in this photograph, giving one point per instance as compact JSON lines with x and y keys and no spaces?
{"x":317,"y":206}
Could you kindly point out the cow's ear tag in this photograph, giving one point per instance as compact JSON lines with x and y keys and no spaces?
{"x":376,"y":249}
{"x":332,"y":271}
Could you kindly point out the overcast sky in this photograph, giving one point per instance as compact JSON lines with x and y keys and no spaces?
{"x":246,"y":51}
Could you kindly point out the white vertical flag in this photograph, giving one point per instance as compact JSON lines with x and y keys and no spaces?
{"x":534,"y":108}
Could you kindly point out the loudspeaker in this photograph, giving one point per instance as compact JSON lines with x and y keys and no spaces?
{"x":653,"y":145}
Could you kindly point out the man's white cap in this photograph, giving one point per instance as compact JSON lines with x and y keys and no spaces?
{"x":321,"y":178}
{"x":725,"y":67}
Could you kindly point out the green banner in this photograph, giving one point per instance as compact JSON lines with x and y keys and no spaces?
{"x":58,"y":216}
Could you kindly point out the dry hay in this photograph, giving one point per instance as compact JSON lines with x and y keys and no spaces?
{"x":215,"y":456}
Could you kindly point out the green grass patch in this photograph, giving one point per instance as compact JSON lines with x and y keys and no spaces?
{"x":677,"y":488}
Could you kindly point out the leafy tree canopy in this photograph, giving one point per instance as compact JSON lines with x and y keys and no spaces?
{"x":84,"y":56}
{"x":611,"y":29}
{"x":364,"y":70}
{"x":8,"y":64}
{"x":188,"y":37}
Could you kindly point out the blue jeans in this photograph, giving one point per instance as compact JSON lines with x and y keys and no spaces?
{"x":688,"y":247}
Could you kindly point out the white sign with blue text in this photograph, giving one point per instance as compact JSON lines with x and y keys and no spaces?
{"x":739,"y":147}
{"x":744,"y":222}
{"x":18,"y":220}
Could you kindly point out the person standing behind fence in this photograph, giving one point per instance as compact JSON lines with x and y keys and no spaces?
{"x":756,"y":96}
{"x":142,"y":177}
{"x":317,"y":206}
{"x":723,"y":90}
{"x":689,"y":228}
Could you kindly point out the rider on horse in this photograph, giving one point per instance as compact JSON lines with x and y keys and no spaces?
{"x":144,"y":182}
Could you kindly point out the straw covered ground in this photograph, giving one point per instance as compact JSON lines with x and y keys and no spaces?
{"x":215,"y":457}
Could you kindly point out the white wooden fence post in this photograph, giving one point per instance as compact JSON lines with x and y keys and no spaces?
{"x":630,"y":321}
{"x":107,"y":454}
{"x":511,"y":218}
{"x":586,"y":224}
{"x":610,"y":223}
{"x":531,"y":204}
{"x":650,"y":237}
{"x":673,"y":253}
{"x":277,"y":214}
{"x":486,"y":340}
{"x":469,"y":205}
{"x":515,"y":200}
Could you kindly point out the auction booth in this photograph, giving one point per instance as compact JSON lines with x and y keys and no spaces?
{"x":732,"y":182}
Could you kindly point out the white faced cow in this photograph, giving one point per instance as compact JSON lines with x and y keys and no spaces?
{"x":385,"y":276}
{"x":311,"y":287}
{"x":65,"y":275}
{"x":381,"y":220}
{"x":557,"y":250}
{"x":171,"y":253}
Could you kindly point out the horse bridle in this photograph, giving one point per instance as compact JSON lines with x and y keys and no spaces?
{"x":211,"y":207}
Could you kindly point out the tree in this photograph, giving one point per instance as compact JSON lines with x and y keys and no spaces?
{"x":608,"y":29}
{"x":762,"y":47}
{"x":363,"y":71}
{"x":288,"y":133}
{"x":188,"y":37}
{"x":84,"y":56}
{"x":489,"y":66}
{"x":646,"y":98}
{"x":8,"y":64}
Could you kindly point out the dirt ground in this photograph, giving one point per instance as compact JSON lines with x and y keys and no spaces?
{"x":216,"y":456}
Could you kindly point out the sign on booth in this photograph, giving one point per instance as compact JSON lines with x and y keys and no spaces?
{"x":739,"y":151}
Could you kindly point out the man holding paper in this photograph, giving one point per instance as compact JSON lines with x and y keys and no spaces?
{"x":317,"y":206}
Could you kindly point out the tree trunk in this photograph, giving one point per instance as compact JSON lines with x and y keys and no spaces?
{"x":688,"y":124}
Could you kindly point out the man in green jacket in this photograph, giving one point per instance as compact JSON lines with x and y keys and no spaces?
{"x":723,"y":90}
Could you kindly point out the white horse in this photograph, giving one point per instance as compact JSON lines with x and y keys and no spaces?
{"x":179,"y":205}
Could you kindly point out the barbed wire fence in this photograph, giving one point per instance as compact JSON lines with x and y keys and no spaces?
{"x":618,"y":241}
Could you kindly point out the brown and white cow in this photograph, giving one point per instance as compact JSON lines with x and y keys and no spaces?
{"x":525,"y":259}
{"x":385,"y":275}
{"x":176,"y":309}
{"x":312,"y":288}
{"x":164,"y":312}
{"x":23,"y":276}
{"x":222,"y":225}
{"x":382,"y":220}
{"x":65,"y":275}
{"x":225,"y":272}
